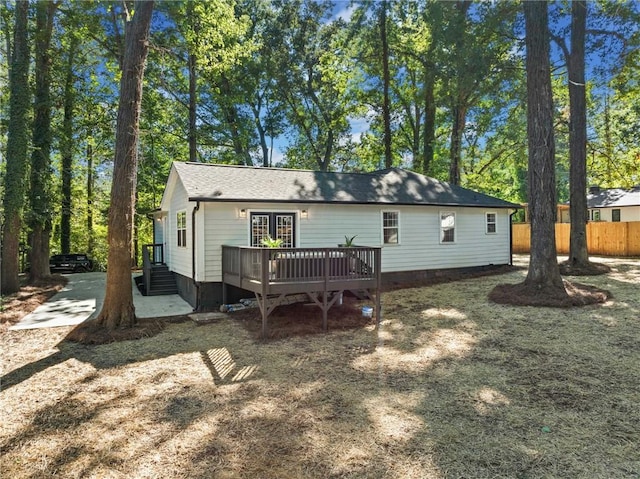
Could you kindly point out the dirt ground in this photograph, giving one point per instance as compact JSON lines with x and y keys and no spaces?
{"x":450,"y":385}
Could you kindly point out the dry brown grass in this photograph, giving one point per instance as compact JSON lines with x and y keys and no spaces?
{"x":450,"y":386}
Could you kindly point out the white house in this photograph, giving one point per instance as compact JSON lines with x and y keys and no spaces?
{"x":420,"y":223}
{"x":613,"y":204}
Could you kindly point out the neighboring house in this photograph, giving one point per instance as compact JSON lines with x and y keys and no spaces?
{"x":421,"y":224}
{"x":613,"y":204}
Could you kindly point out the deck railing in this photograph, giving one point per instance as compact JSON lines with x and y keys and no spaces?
{"x":152,"y":254}
{"x":277,"y":267}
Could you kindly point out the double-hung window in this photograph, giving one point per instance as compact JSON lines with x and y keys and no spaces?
{"x":447,"y":227}
{"x":181,"y":226}
{"x":390,"y":227}
{"x":491,"y":223}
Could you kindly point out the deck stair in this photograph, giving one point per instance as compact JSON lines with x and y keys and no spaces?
{"x":162,"y":281}
{"x":157,"y":278}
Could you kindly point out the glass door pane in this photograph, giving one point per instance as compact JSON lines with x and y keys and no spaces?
{"x":284,"y":229}
{"x":259,"y":228}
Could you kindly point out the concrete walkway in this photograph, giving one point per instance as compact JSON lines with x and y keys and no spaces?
{"x":82,"y":299}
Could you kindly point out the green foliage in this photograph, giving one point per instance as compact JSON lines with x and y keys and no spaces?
{"x":285,"y":75}
{"x":270,"y":242}
{"x":349,"y":242}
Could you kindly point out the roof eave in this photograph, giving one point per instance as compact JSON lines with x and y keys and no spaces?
{"x":205,"y":199}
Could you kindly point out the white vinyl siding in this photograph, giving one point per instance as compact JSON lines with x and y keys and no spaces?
{"x":178,"y":259}
{"x":327,"y":225}
{"x":627,"y":213}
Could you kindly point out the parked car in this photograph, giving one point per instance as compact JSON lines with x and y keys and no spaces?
{"x":74,"y":263}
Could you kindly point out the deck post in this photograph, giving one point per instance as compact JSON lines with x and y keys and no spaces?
{"x":264,"y":279}
{"x":378,"y":265}
{"x":327,"y":267}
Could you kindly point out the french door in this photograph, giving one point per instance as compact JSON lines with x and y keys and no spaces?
{"x":275,"y":225}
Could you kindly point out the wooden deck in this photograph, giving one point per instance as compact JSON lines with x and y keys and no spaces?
{"x":321,"y":273}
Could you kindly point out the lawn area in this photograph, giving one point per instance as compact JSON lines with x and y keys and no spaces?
{"x":450,"y":386}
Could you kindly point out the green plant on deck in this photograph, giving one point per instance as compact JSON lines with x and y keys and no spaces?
{"x":270,"y":242}
{"x":349,"y":242}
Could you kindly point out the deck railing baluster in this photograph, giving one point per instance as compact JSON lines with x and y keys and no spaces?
{"x":300,"y":265}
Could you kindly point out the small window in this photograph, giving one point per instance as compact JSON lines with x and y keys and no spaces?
{"x":594,"y":215}
{"x":391,"y":227}
{"x":491,"y":223}
{"x":181,"y":221}
{"x":447,"y":227}
{"x":615,"y":214}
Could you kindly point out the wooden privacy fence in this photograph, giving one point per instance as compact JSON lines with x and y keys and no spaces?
{"x":603,"y":238}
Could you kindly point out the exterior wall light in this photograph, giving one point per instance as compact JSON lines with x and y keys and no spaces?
{"x":242,"y":213}
{"x":304,"y":214}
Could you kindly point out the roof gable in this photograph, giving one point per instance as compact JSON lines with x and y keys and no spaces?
{"x":211,"y":182}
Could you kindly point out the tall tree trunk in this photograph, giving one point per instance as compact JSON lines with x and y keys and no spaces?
{"x":578,"y":254}
{"x":193,"y":86}
{"x":429,"y":135}
{"x":90,"y":234}
{"x":459,"y":120}
{"x":263,"y":136}
{"x":193,"y":106}
{"x":232,"y":121}
{"x":458,"y":97}
{"x":118,"y":310}
{"x":67,"y":147}
{"x":608,"y":141}
{"x":543,"y":273}
{"x":386,"y":108}
{"x":17,"y":149}
{"x":40,"y":215}
{"x":416,"y":154}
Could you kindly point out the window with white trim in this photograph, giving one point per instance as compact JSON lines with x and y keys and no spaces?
{"x":181,"y":226}
{"x":447,"y":227}
{"x":491,"y":223}
{"x":594,"y":215}
{"x":390,"y":227}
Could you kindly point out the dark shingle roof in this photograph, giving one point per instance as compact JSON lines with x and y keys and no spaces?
{"x":210,"y":182}
{"x":613,"y":197}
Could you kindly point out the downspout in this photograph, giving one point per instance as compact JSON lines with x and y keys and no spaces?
{"x":193,"y":254}
{"x":511,"y":237}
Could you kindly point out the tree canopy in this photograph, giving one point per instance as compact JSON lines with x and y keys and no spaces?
{"x":437,"y":87}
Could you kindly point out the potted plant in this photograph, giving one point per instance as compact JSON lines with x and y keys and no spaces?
{"x":348,"y":242}
{"x":269,"y":242}
{"x":350,"y":257}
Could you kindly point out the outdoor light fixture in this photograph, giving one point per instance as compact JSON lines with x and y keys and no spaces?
{"x":304,"y":214}
{"x":242,"y":213}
